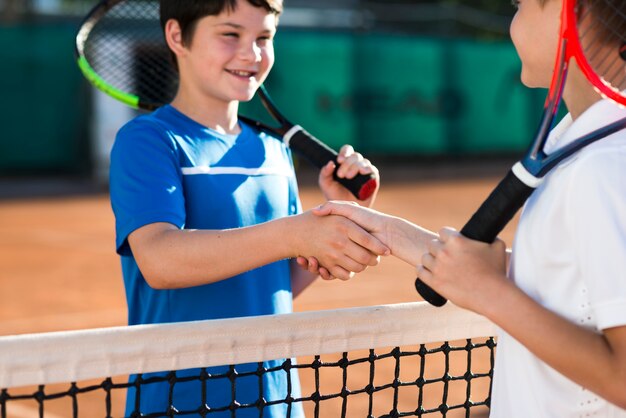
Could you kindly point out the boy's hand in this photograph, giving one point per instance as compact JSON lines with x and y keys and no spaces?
{"x":351,"y":163}
{"x":369,"y":219}
{"x":469,"y":273}
{"x":337,"y":244}
{"x":311,"y":265}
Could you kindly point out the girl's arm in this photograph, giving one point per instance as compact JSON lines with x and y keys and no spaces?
{"x":473,"y":275}
{"x":594,"y":360}
{"x":406,"y":240}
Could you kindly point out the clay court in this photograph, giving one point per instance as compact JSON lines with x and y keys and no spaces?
{"x":59,"y":271}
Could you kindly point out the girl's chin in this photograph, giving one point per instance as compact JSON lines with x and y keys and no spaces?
{"x":533,"y":83}
{"x":534,"y":80}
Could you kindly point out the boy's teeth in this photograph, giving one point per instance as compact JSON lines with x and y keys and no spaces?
{"x":241,"y":73}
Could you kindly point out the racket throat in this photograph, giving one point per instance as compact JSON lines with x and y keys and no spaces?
{"x":526,"y":176}
{"x":290,"y":134}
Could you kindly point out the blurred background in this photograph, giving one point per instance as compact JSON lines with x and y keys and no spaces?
{"x":402,"y":80}
{"x":428,"y":90}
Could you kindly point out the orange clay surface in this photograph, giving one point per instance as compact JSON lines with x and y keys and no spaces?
{"x":59,"y":271}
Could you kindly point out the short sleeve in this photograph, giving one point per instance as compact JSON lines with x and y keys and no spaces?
{"x":145,"y":180}
{"x":598,"y":214}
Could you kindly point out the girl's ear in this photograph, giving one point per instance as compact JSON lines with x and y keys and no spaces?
{"x":174,"y":37}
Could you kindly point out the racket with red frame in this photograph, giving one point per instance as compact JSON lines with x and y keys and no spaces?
{"x":121,"y":50}
{"x":593,"y":34}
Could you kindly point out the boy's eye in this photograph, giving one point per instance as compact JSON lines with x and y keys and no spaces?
{"x":231,"y":34}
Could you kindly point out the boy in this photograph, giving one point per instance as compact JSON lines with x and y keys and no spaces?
{"x":207,"y":209}
{"x":562,"y":349}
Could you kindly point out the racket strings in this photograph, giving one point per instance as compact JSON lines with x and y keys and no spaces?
{"x":596,"y":56}
{"x":156,"y":77}
{"x":619,"y":32}
{"x":615,"y":27}
{"x":592,"y":34}
{"x":598,"y":30}
{"x":127,"y":50}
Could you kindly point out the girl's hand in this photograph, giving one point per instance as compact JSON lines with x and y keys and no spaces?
{"x":469,"y":273}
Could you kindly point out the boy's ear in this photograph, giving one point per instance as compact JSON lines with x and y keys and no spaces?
{"x":174,"y":37}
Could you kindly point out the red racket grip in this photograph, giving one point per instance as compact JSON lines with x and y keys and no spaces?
{"x":488,"y":221}
{"x":319,"y":154}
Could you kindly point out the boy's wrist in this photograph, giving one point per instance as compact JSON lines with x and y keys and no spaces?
{"x":287,"y":234}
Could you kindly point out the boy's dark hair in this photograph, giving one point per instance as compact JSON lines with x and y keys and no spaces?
{"x":188,"y":12}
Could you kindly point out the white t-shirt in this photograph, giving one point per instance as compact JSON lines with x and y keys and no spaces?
{"x":569,"y":255}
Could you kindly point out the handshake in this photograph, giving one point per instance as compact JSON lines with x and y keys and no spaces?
{"x":344,"y":238}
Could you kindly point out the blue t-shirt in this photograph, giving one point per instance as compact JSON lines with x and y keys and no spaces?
{"x":165,"y":167}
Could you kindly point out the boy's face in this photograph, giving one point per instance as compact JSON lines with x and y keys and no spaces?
{"x":535,"y":34}
{"x":230,"y":54}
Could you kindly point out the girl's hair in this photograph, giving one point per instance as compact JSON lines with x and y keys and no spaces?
{"x":188,"y":12}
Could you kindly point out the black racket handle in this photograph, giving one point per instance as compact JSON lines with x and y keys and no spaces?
{"x":319,"y":154}
{"x":488,"y":221}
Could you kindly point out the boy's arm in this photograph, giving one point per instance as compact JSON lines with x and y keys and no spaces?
{"x":172,"y":258}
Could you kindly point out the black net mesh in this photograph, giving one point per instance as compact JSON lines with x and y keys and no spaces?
{"x":440,"y":380}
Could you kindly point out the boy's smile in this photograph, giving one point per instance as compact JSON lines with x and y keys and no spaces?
{"x":228,"y":58}
{"x":243,"y":74}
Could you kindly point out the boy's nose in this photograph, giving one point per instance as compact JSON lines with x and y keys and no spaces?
{"x":251,"y":52}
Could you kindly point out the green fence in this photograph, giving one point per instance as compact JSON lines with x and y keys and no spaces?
{"x":43,"y":109}
{"x":405,"y":95}
{"x":386,"y":94}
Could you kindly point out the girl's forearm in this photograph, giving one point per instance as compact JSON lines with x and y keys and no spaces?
{"x":406,"y":240}
{"x":589,"y":358}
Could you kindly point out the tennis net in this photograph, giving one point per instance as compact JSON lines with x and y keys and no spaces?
{"x":380,"y":361}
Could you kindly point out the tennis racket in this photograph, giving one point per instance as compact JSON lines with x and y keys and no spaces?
{"x":583,"y":26}
{"x":121,"y":50}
